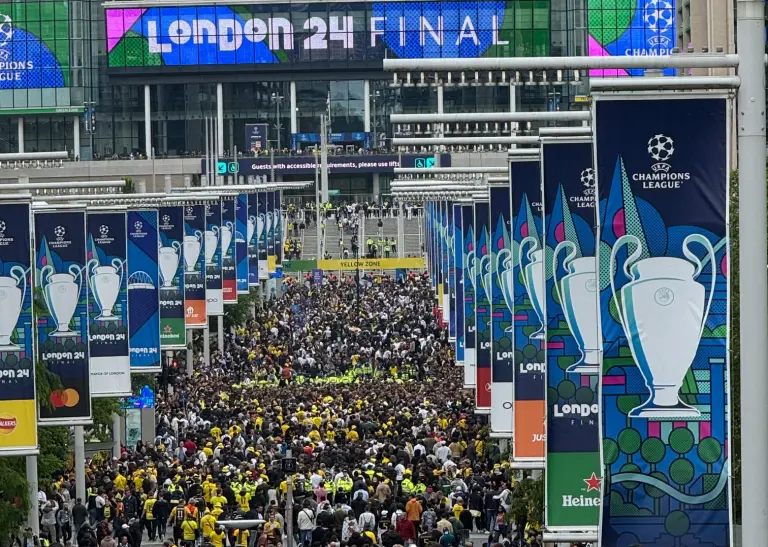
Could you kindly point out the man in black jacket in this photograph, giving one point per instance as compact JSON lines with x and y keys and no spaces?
{"x":390,"y":538}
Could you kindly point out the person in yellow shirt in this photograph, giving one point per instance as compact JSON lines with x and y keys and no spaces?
{"x":244,"y":500}
{"x":352,"y":434}
{"x":208,"y":525}
{"x":241,"y":537}
{"x":219,"y":498}
{"x":218,"y":536}
{"x":120,"y":481}
{"x":272,"y":527}
{"x":189,"y":531}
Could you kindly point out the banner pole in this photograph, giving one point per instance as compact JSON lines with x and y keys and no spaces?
{"x":190,"y":338}
{"x":116,"y":435}
{"x":33,"y":520}
{"x":79,"y":463}
{"x":220,"y":325}
{"x":753,"y":295}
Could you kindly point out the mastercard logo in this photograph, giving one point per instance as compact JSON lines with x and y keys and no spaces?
{"x":65,"y":398}
{"x":8,"y":424}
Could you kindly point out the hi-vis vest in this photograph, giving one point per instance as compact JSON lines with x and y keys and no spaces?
{"x":344,"y":485}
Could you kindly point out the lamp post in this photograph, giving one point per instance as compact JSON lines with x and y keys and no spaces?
{"x":277,"y":99}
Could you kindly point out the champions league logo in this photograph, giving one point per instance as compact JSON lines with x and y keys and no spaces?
{"x":661,"y":148}
{"x":659,"y":18}
{"x":104,"y":232}
{"x":6,"y":35}
{"x":60,"y":232}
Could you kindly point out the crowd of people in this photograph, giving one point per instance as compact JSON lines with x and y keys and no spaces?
{"x":355,"y":388}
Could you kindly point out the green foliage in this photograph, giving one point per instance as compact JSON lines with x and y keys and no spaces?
{"x":54,"y":451}
{"x":103,"y":410}
{"x":528,"y":501}
{"x":236,"y":315}
{"x":14,"y":498}
{"x":129,"y":187}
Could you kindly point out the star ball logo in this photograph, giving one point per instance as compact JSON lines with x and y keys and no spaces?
{"x":661,"y":148}
{"x":166,"y":220}
{"x":138,"y":225}
{"x":59,"y":232}
{"x":663,"y":176}
{"x":6,"y":36}
{"x":659,"y":17}
{"x":104,"y":230}
{"x":4,"y":241}
{"x":104,"y":238}
{"x":588,"y":178}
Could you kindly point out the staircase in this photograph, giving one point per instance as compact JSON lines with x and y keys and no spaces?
{"x":412,"y":238}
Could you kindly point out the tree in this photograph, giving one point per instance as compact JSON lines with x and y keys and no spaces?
{"x":238,"y":314}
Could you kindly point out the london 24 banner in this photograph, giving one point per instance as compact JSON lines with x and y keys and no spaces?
{"x":468,"y":230}
{"x":458,"y":282}
{"x":482,"y":309}
{"x":429,"y":220}
{"x":450,"y":260}
{"x":261,"y":259}
{"x":255,"y":232}
{"x":500,"y":287}
{"x":243,"y":234}
{"x":214,"y":293}
{"x":571,"y":353}
{"x":529,"y":320}
{"x":62,"y":323}
{"x":278,"y":229}
{"x":170,"y":261}
{"x":270,"y":229}
{"x":445,"y":244}
{"x":228,"y":260}
{"x":18,"y":405}
{"x":664,"y":294}
{"x":194,"y":267}
{"x":144,"y":290}
{"x":107,"y":247}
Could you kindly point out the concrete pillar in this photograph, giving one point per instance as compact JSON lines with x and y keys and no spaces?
{"x":187,"y":181}
{"x":32,"y":518}
{"x":376,"y":187}
{"x":513,"y":108}
{"x":440,"y":101}
{"x":367,"y":105}
{"x":232,"y":147}
{"x":117,"y":435}
{"x":20,"y":130}
{"x":76,"y":133}
{"x":220,"y":119}
{"x":141,"y":186}
{"x":167,"y":184}
{"x":79,"y":462}
{"x":220,"y":327}
{"x":164,"y":137}
{"x":294,"y":111}
{"x":147,"y":121}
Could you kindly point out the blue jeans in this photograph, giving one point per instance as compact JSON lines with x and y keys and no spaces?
{"x":490,"y":520}
{"x":305,"y":537}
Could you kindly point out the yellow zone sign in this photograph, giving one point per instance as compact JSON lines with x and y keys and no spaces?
{"x":372,"y":264}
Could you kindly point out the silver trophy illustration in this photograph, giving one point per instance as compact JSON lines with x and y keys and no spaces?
{"x":663,"y":310}
{"x":226,"y":237}
{"x":533,"y":278}
{"x":251,"y":227}
{"x":270,"y":222}
{"x":504,"y":272}
{"x":486,"y":275}
{"x":577,"y":293}
{"x":168,"y":261}
{"x":11,"y":301}
{"x":469,"y":267}
{"x":211,"y":242}
{"x":61,"y":294}
{"x":192,"y":245}
{"x":105,"y":283}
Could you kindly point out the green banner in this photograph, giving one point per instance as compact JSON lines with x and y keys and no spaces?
{"x":299,"y":265}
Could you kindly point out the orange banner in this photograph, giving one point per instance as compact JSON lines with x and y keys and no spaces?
{"x":529,"y":429}
{"x":195,"y":317}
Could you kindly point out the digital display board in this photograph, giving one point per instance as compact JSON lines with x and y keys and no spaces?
{"x":305,"y":33}
{"x":631,"y":28}
{"x":34,"y":45}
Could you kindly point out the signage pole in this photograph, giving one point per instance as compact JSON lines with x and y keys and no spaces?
{"x":324,"y":156}
{"x":207,"y":154}
{"x":33,"y":520}
{"x":317,"y":207}
{"x":289,"y":504}
{"x":79,"y":464}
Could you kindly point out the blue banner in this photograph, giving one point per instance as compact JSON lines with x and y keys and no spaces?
{"x":458,"y":281}
{"x":243,"y":236}
{"x":62,"y":324}
{"x":260,"y":261}
{"x":255,"y":233}
{"x":18,"y":404}
{"x":270,"y":231}
{"x":449,"y":239}
{"x":108,"y":305}
{"x":482,"y":308}
{"x":468,"y":231}
{"x":143,"y":291}
{"x":214,"y":293}
{"x":256,"y":137}
{"x":444,"y":262}
{"x":499,"y":287}
{"x":170,"y":261}
{"x":195,"y":301}
{"x":278,"y":229}
{"x":228,"y":243}
{"x":664,"y":299}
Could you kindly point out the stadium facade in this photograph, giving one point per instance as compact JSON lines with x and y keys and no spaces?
{"x":80,"y":74}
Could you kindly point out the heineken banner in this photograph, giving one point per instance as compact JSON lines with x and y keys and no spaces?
{"x":194,"y":264}
{"x":143,"y":291}
{"x":482,"y":272}
{"x":270,"y":212}
{"x":450,"y":259}
{"x":107,"y":247}
{"x":499,"y":288}
{"x":241,"y":246}
{"x":214,"y":293}
{"x":62,"y":324}
{"x":571,"y":352}
{"x":255,"y":232}
{"x":458,"y":282}
{"x":664,"y":299}
{"x":278,"y":229}
{"x":228,"y":262}
{"x":468,"y":231}
{"x":260,"y":261}
{"x":530,"y":325}
{"x":170,"y":261}
{"x":18,"y":405}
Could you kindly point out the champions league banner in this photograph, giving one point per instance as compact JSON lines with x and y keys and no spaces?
{"x":260,"y":260}
{"x":228,"y":262}
{"x":18,"y":404}
{"x":468,"y":231}
{"x":241,"y":246}
{"x":194,"y":267}
{"x":457,"y":302}
{"x":62,"y":324}
{"x":110,"y":362}
{"x":255,"y":229}
{"x":143,"y":291}
{"x":529,"y":321}
{"x":270,"y":212}
{"x":499,"y":286}
{"x":214,"y":293}
{"x":430,"y":239}
{"x":444,"y":246}
{"x":572,"y":355}
{"x":450,"y":259}
{"x":664,"y":299}
{"x":278,"y":229}
{"x":482,"y":272}
{"x":171,"y":263}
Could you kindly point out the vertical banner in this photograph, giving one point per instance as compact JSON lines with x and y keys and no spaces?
{"x":260,"y":260}
{"x":458,"y":281}
{"x":243,"y":237}
{"x":228,"y":259}
{"x":214,"y":293}
{"x":664,"y":299}
{"x":482,"y":273}
{"x":170,"y":262}
{"x":271,"y":222}
{"x":469,"y":261}
{"x":528,"y":317}
{"x":143,"y":291}
{"x":62,"y":324}
{"x":194,"y":267}
{"x":449,"y":238}
{"x":18,"y":404}
{"x":255,"y":232}
{"x":571,"y":350}
{"x":444,"y":246}
{"x":110,"y":362}
{"x":500,"y":287}
{"x":256,"y":137}
{"x":430,"y":239}
{"x":279,"y":229}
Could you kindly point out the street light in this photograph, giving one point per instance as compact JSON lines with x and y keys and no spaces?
{"x":277,"y":99}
